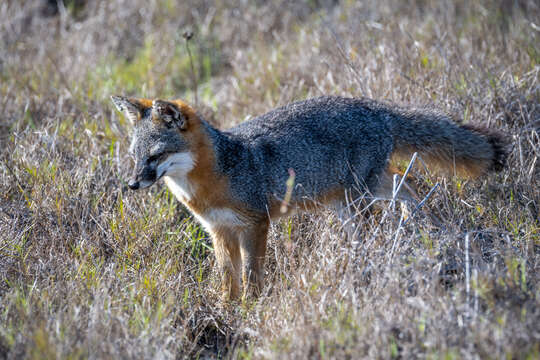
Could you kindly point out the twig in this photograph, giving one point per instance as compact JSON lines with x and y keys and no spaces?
{"x":400,"y":225}
{"x":411,"y":163}
{"x":421,"y":203}
{"x":288,"y":193}
{"x":467,"y":273}
{"x":395,"y":191}
{"x":343,"y":54}
{"x":188,"y":35}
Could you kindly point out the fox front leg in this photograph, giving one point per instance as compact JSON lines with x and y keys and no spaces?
{"x":253,"y":250}
{"x":227,"y":251}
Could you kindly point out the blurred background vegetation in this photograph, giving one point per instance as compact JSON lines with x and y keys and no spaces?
{"x":90,"y":270}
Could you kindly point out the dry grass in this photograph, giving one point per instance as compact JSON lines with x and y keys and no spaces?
{"x":91,"y":270}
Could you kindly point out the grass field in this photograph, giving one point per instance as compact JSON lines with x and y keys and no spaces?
{"x":89,"y":269}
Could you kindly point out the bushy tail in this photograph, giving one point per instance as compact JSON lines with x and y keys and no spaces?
{"x":465,"y":150}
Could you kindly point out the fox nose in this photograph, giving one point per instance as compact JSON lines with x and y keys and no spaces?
{"x":133,"y":184}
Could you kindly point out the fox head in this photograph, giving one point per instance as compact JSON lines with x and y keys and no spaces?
{"x":160,"y":142}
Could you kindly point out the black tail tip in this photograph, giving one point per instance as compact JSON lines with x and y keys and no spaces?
{"x":500,"y":143}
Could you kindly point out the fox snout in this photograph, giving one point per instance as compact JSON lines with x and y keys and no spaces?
{"x":133,"y":184}
{"x":143,"y":176}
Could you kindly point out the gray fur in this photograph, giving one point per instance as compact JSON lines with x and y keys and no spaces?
{"x":329,"y":142}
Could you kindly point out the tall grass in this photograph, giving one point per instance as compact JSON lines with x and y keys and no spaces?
{"x":91,"y":270}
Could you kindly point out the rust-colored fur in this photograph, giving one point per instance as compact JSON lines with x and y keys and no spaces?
{"x":238,"y":249}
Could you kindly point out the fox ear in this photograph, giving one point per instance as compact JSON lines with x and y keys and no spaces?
{"x":131,"y":110}
{"x":169,"y":114}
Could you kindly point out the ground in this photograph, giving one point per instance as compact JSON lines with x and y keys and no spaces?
{"x":89,"y":269}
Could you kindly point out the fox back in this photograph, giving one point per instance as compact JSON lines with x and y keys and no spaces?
{"x":332,"y":144}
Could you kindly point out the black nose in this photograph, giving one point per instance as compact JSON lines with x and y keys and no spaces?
{"x":133,"y":184}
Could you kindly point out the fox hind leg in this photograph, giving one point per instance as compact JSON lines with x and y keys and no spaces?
{"x":349,"y":210}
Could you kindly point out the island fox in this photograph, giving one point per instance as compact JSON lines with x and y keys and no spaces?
{"x":235,"y":181}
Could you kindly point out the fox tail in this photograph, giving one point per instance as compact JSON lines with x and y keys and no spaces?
{"x":465,"y":150}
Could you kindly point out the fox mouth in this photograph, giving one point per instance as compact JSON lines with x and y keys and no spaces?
{"x":146,"y":180}
{"x":177,"y":164}
{"x":143,"y":184}
{"x":161,"y":174}
{"x":146,"y":183}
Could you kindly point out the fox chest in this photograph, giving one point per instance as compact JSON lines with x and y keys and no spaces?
{"x":210,"y":217}
{"x":180,"y":186}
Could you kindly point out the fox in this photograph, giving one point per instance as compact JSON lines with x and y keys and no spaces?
{"x":235,"y":181}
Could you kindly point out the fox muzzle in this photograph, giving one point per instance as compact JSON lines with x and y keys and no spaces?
{"x":133,"y":184}
{"x":142,"y":178}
